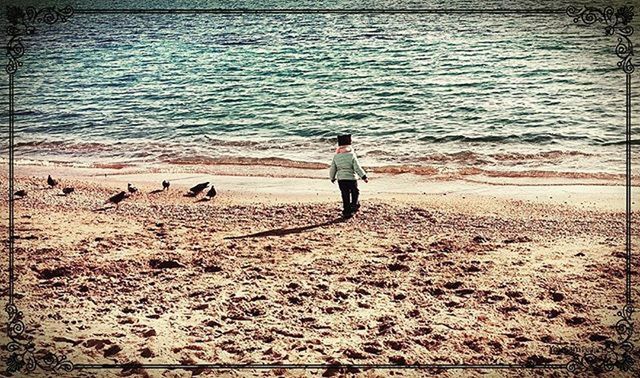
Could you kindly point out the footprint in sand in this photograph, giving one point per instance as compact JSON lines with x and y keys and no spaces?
{"x":212,"y":269}
{"x":472,"y":269}
{"x":508,"y":309}
{"x":295,"y":300}
{"x":331,"y":310}
{"x":597,"y":337}
{"x":112,"y":351}
{"x":444,"y":245}
{"x":398,"y":360}
{"x":385,"y":326}
{"x":47,"y":273}
{"x":354,"y":354}
{"x":97,"y":343}
{"x":164,"y":264}
{"x":399,"y":296}
{"x":423,"y":331}
{"x":473,"y":345}
{"x":576,"y":321}
{"x":126,"y":320}
{"x":480,"y":239}
{"x":557,"y":297}
{"x":464,"y":292}
{"x":402,"y":257}
{"x":514,"y":294}
{"x":395,"y":345}
{"x":341,"y":295}
{"x":146,"y":353}
{"x":212,"y":324}
{"x":398,"y":267}
{"x":536,"y":360}
{"x":553,"y":313}
{"x":372,"y":348}
{"x":453,"y":285}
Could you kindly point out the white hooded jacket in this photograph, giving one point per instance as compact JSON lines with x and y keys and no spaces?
{"x":345,"y":165}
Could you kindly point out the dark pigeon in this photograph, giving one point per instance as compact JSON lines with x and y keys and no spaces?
{"x":211,"y":193}
{"x":132,"y":189}
{"x":199,"y":188}
{"x":117,"y":198}
{"x":20,"y":193}
{"x":51,"y":182}
{"x":67,"y":191}
{"x":165,"y":185}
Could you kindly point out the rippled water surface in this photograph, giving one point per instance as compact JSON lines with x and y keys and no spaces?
{"x":501,"y":93}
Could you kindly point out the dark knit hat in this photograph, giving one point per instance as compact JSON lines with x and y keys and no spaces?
{"x":344,"y":140}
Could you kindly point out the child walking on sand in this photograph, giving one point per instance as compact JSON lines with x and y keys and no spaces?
{"x":344,"y":167}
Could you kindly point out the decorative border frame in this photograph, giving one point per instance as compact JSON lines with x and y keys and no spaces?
{"x":23,"y":356}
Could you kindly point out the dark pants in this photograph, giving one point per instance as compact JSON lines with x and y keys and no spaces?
{"x":350,"y":192}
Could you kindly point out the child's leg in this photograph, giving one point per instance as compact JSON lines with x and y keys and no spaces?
{"x":355,"y":193}
{"x":344,"y":191}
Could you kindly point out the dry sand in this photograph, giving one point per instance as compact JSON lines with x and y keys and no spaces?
{"x":428,"y":272}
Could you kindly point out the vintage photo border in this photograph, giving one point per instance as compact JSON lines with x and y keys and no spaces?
{"x":23,"y":356}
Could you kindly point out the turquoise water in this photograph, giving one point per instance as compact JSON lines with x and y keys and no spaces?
{"x":501,"y":93}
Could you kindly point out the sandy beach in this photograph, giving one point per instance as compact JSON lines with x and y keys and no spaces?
{"x":482,"y":270}
{"x":497,"y":138}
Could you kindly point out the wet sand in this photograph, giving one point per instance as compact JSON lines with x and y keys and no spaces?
{"x":479,"y":271}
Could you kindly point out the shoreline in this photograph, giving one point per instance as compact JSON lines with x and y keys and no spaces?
{"x":296,"y":184}
{"x":435,"y":170}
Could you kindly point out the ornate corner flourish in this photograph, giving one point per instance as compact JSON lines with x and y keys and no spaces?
{"x":23,"y":354}
{"x":617,"y":22}
{"x":614,"y":355}
{"x":21,"y":23}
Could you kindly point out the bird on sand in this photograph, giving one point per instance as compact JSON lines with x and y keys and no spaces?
{"x":132,"y":189}
{"x":210,"y":194}
{"x":165,"y":185}
{"x":117,"y":198}
{"x":67,"y":191}
{"x":198,"y":188}
{"x":20,"y":193}
{"x":51,"y":182}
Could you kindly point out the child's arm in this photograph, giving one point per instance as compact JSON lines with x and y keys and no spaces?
{"x":358,"y":169}
{"x":333,"y":170}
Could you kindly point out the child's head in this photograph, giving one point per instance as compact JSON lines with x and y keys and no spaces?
{"x":344,"y":140}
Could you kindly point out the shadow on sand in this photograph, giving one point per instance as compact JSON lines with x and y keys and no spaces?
{"x":288,"y":231}
{"x":104,"y":208}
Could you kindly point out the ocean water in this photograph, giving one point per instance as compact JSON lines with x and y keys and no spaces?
{"x":498,"y":93}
